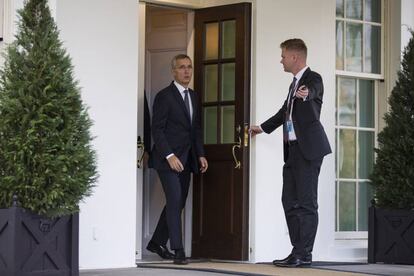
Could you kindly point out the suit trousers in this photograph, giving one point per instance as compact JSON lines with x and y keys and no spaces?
{"x":175,"y":186}
{"x":300,"y":200}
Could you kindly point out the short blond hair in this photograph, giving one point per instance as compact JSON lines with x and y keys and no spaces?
{"x":295,"y":44}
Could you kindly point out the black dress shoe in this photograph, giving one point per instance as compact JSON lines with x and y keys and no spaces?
{"x":276,"y":262}
{"x":296,"y":262}
{"x":180,"y":258}
{"x":161,"y":250}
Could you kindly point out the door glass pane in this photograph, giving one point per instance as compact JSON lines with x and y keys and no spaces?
{"x":227,"y":124}
{"x":354,"y":9}
{"x":347,"y":102}
{"x":228,"y":36}
{"x":372,"y":49}
{"x":228,"y":81}
{"x":210,"y":82}
{"x":354,"y":47}
{"x":339,"y":45}
{"x":347,"y":153}
{"x":373,"y":10}
{"x":366,"y":103}
{"x":210,"y":125}
{"x":365,"y":195}
{"x":211,"y":41}
{"x":366,"y":153}
{"x":347,"y":206}
{"x":340,"y":8}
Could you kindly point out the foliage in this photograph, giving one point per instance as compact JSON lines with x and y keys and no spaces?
{"x":46,"y":158}
{"x":393,"y":174}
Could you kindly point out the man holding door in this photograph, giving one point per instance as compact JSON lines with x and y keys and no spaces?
{"x":177,"y":152}
{"x":305,"y":144}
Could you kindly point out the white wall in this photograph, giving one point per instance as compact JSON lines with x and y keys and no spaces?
{"x":102,"y":38}
{"x":274,"y":22}
{"x":407,"y":21}
{"x":104,"y":47}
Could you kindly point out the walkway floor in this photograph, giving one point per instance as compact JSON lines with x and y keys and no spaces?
{"x":146,"y":272}
{"x":371,"y":269}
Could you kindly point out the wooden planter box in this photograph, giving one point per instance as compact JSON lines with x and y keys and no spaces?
{"x":32,"y":245}
{"x":391,"y":236}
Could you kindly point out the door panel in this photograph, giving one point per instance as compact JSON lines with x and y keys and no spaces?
{"x":222,"y":76}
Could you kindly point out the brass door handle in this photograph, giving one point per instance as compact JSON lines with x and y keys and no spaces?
{"x":140,"y":146}
{"x":246,"y":135}
{"x":237,"y":145}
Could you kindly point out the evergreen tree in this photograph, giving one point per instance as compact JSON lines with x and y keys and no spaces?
{"x":393,"y":174}
{"x":46,"y":158}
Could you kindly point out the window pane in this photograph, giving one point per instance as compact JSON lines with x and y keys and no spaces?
{"x":372,"y":47}
{"x":229,"y":39}
{"x":366,"y":193}
{"x":211,"y":40}
{"x":339,"y":45}
{"x":373,"y":10}
{"x":336,"y":101}
{"x":366,"y":153}
{"x":347,"y":153}
{"x":210,"y":125}
{"x":210,"y":82}
{"x":336,"y":152}
{"x":336,"y":206}
{"x":347,"y":206}
{"x":354,"y":9}
{"x":227,"y":124}
{"x":366,"y":103}
{"x":340,"y":8}
{"x":347,"y":102}
{"x":228,"y":81}
{"x":354,"y":47}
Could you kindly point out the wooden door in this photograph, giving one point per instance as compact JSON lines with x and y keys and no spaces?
{"x":222,"y":77}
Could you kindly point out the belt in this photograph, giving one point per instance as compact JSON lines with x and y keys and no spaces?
{"x":292,"y":142}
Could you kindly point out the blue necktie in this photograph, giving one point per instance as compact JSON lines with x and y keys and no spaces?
{"x":187,"y":103}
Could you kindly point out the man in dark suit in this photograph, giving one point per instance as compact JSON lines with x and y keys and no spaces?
{"x":305,"y":145}
{"x":177,"y":152}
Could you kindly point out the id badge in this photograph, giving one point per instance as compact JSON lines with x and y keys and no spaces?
{"x":289,"y":126}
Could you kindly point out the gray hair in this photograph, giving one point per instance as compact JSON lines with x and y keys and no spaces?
{"x":177,"y":57}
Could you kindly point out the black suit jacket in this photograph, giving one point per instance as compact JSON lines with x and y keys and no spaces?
{"x":172,"y":130}
{"x":309,"y":131}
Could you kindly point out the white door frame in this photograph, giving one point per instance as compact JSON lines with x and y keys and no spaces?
{"x":141,"y":89}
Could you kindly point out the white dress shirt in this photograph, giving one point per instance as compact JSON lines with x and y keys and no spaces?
{"x":298,"y":76}
{"x":181,"y":90}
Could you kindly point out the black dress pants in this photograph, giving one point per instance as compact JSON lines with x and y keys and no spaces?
{"x":300,"y":200}
{"x":175,"y":186}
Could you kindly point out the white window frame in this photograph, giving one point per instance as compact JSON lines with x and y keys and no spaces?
{"x":356,"y":180}
{"x":357,"y":235}
{"x":363,"y":22}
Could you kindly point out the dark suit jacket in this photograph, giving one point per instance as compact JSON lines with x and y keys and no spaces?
{"x":309,"y":131}
{"x":172,"y":130}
